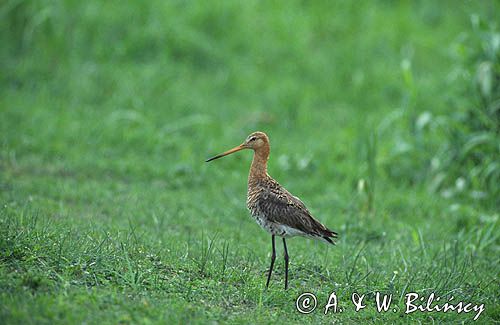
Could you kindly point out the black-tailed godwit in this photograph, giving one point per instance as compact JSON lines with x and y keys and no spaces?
{"x":273,"y":207}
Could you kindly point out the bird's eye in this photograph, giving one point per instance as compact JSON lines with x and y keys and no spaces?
{"x":252,"y":139}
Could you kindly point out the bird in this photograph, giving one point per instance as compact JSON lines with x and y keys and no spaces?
{"x":274,"y":208}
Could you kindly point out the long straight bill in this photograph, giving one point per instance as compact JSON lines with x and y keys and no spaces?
{"x":238,"y":148}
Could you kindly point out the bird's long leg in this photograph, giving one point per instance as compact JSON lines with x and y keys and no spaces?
{"x":286,"y":264}
{"x":273,"y":257}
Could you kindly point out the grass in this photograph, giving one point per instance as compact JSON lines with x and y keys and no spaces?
{"x":109,"y":213}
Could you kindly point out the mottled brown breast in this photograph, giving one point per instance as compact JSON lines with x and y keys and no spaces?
{"x":253,"y":197}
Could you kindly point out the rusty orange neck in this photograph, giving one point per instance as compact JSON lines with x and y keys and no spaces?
{"x":258,"y":169}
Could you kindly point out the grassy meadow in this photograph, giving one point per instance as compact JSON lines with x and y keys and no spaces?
{"x":383,"y":117}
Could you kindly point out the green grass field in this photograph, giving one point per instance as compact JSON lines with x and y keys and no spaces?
{"x":383,"y":118}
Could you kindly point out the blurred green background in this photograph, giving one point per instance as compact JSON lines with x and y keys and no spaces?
{"x":383,"y":117}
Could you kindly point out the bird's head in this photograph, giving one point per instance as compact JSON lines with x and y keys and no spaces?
{"x":255,"y":141}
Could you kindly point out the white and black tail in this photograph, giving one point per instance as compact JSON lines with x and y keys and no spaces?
{"x":328,"y":236}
